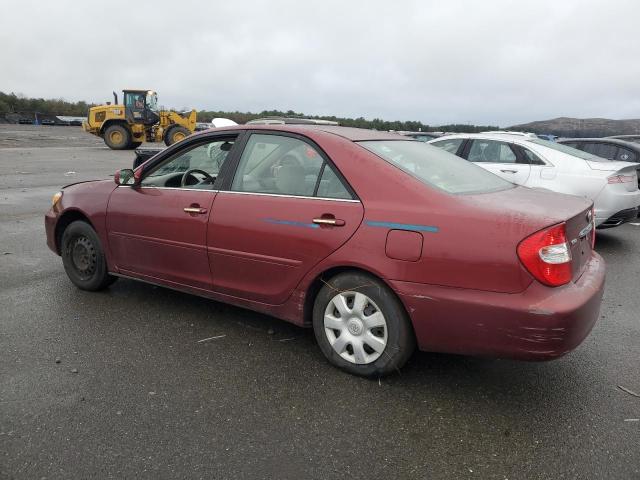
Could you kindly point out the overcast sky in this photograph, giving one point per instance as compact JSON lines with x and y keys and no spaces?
{"x":484,"y":62}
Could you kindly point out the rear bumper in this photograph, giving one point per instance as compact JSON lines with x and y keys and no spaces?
{"x":540,"y":323}
{"x":623,"y":216}
{"x":609,"y":203}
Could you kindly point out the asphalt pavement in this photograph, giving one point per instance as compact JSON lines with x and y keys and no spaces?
{"x":142,"y":382}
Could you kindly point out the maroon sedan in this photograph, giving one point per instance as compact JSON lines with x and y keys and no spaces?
{"x":379,"y":242}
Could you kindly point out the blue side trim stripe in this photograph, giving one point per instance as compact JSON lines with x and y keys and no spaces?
{"x":402,"y":226}
{"x":291,"y":223}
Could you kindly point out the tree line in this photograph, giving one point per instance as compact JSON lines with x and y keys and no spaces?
{"x":12,"y":103}
{"x":15,"y":103}
{"x":360,"y":122}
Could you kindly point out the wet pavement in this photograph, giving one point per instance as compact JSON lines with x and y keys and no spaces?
{"x":143,"y":382}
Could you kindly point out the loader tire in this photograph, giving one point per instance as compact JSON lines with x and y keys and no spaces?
{"x":117,"y":137}
{"x":175,"y":134}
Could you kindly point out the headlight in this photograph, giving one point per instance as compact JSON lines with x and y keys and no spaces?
{"x":56,"y":198}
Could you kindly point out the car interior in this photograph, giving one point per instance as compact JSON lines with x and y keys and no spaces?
{"x":281,"y":165}
{"x":286,"y":167}
{"x":196,"y":168}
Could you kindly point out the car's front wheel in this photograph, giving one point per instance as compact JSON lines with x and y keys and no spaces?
{"x":83,"y":257}
{"x":361,"y":326}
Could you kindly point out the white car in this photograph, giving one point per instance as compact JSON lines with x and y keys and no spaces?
{"x":532,"y":162}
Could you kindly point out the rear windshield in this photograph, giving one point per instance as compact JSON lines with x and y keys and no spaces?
{"x":435,"y":167}
{"x":564,"y":149}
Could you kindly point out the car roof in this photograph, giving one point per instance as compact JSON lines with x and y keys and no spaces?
{"x":504,"y":137}
{"x":616,"y":141}
{"x":407,"y":132}
{"x":275,"y":120}
{"x":349,"y":133}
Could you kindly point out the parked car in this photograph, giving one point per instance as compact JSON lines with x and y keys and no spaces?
{"x":422,"y":136}
{"x":547,"y":136}
{"x":144,"y":154}
{"x":609,"y":148}
{"x":533,"y":162}
{"x":377,"y":242}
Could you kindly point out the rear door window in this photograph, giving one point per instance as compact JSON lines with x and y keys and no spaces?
{"x":491,"y":151}
{"x":284,"y":165}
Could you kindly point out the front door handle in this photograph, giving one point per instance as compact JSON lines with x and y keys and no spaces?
{"x":329,"y":221}
{"x":509,"y":171}
{"x":195,"y":209}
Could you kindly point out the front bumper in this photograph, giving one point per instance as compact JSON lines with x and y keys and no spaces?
{"x":541,"y":323}
{"x":50,"y":220}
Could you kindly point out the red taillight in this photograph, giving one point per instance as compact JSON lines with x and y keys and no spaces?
{"x":547,"y":256}
{"x":622,"y":179}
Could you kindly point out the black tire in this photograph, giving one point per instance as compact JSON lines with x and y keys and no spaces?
{"x":83,"y":257}
{"x":117,"y":137}
{"x":400,"y":338}
{"x":175,"y":134}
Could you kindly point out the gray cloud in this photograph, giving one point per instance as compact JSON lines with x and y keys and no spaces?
{"x":491,"y":62}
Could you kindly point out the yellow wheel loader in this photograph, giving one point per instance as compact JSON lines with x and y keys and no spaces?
{"x":125,"y":126}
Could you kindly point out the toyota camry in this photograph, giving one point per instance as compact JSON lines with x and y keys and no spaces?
{"x":379,"y":242}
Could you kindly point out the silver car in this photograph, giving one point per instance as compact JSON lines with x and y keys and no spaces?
{"x":532,"y":162}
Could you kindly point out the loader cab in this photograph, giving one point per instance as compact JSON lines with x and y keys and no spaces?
{"x":141,"y":106}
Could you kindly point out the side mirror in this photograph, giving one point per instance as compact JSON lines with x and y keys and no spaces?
{"x":126,"y":176}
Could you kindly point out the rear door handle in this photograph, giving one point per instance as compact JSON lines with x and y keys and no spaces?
{"x":195,"y":209}
{"x":509,"y":171}
{"x":329,"y":221}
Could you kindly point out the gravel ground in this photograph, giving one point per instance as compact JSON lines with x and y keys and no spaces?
{"x":117,"y":384}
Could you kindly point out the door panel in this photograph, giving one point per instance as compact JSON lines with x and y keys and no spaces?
{"x":150,"y":233}
{"x":261,"y":246}
{"x":499,"y":158}
{"x":513,"y":172}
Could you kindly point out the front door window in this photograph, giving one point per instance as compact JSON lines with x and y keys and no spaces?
{"x":197,"y":167}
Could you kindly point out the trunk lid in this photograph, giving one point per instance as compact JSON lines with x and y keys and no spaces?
{"x":529,"y":210}
{"x":611,"y":166}
{"x":580,"y":231}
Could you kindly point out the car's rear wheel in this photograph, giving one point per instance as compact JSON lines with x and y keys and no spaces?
{"x":83,"y":257}
{"x":361,"y":326}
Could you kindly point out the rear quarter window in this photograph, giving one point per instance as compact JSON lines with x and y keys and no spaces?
{"x":450,"y":145}
{"x":436,"y":168}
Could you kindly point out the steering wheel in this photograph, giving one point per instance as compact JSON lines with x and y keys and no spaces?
{"x":208,"y":177}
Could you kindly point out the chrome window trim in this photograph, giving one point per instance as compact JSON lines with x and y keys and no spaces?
{"x":349,"y":200}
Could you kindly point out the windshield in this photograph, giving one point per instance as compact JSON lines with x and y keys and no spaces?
{"x":435,"y":167}
{"x":565,"y":149}
{"x":152,"y":102}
